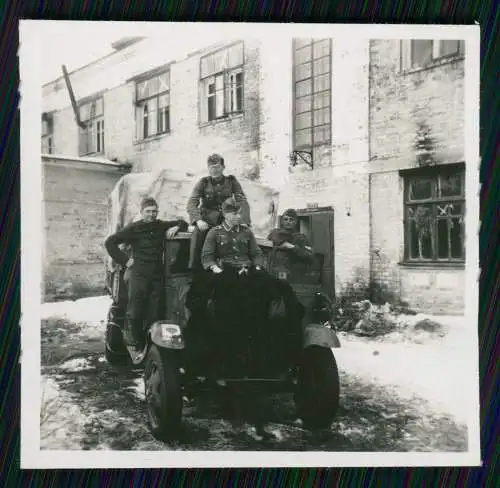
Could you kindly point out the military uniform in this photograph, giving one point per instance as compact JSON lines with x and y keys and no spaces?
{"x":234,"y":247}
{"x":145,"y":277}
{"x":205,"y":203}
{"x":302,"y":250}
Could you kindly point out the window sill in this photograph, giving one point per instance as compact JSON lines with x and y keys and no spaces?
{"x":432,"y":264}
{"x":137,"y":142}
{"x":91,"y":155}
{"x":226,"y":118}
{"x":433,"y":64}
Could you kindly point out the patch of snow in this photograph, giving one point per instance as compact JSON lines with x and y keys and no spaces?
{"x":138,"y":388}
{"x":61,"y":420}
{"x":76,"y":364}
{"x":431,"y":370}
{"x":91,"y":310}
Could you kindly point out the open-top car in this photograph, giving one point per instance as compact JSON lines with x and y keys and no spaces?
{"x":288,"y":347}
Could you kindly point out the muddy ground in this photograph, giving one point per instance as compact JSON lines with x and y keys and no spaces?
{"x":89,"y":404}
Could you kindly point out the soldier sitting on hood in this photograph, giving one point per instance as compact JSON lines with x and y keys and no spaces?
{"x":204,"y":204}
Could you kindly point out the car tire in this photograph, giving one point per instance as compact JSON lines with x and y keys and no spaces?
{"x":163,"y":393}
{"x":318,"y":388}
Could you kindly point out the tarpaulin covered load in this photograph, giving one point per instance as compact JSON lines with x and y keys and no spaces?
{"x":171,"y":190}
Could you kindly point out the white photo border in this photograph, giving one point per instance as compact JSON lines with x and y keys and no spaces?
{"x":31,"y":57}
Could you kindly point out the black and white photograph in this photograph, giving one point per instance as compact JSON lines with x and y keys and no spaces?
{"x":249,"y":244}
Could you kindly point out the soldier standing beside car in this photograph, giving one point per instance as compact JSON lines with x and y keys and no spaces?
{"x":144,"y":270}
{"x":204,"y":204}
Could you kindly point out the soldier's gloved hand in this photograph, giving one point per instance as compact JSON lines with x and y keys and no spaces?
{"x":202,"y":225}
{"x":215,"y":269}
{"x":129,"y":263}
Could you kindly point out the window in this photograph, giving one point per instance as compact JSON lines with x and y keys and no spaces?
{"x":312,"y":93}
{"x":434,"y":215}
{"x":47,"y":134}
{"x":91,"y":138}
{"x":153,"y":106}
{"x":419,"y":53}
{"x":221,"y":83}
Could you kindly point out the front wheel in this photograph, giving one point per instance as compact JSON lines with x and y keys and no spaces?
{"x":318,"y":388}
{"x":163,"y":393}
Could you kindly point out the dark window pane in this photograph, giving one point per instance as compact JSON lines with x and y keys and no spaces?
{"x":420,"y":188}
{"x":322,"y":100}
{"x":303,"y":88}
{"x":303,"y":104}
{"x":321,"y":48}
{"x":211,"y":108}
{"x":448,"y":47}
{"x":303,"y":55}
{"x":303,"y":138}
{"x":303,"y":71}
{"x":457,"y":233}
{"x":420,"y":229}
{"x":450,"y":185}
{"x":443,"y":239}
{"x":421,"y":52}
{"x":303,"y":121}
{"x":321,"y":83}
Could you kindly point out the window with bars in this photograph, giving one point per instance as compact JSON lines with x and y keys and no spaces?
{"x":420,"y":53}
{"x":47,"y":134}
{"x":221,"y":83}
{"x":153,"y":106}
{"x":91,"y":138}
{"x":312,"y":93}
{"x":435,"y":215}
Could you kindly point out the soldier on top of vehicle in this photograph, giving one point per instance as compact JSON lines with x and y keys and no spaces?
{"x":204,"y":204}
{"x":144,"y":270}
{"x":288,"y":238}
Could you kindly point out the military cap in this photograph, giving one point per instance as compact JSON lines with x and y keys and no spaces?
{"x":215,"y":159}
{"x":148,"y":202}
{"x":230,"y":205}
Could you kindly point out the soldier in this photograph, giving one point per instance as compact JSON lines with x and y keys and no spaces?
{"x":144,"y":270}
{"x":204,"y":204}
{"x":231,"y":244}
{"x":289,"y":239}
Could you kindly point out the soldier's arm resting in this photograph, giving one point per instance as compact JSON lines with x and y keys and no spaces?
{"x":209,"y":249}
{"x":112,"y":243}
{"x":181,"y":223}
{"x":193,"y":202}
{"x":302,"y":248}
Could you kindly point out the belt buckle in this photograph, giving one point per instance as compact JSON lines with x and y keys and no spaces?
{"x":282,"y":275}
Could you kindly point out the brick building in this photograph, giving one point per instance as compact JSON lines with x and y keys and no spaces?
{"x":372,"y":158}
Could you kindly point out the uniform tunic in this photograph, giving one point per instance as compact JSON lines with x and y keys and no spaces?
{"x":302,"y":250}
{"x":235,"y":247}
{"x":207,"y":197}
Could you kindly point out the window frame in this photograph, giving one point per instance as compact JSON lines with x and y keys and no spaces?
{"x":96,"y":124}
{"x":434,"y":174}
{"x":436,"y":59}
{"x":47,"y":139}
{"x":138,"y":102}
{"x":225,"y":73}
{"x":299,"y":44}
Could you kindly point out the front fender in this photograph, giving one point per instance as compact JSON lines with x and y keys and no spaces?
{"x":319,"y":335}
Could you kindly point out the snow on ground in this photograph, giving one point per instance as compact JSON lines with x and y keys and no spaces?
{"x":61,"y":421}
{"x":138,"y":388}
{"x":429,"y":368}
{"x":76,"y":364}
